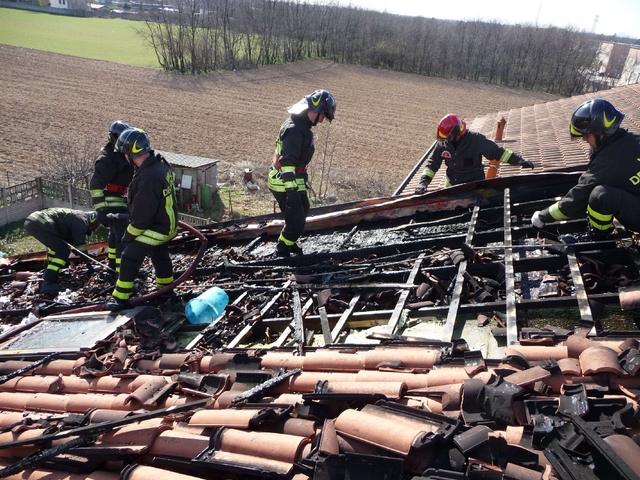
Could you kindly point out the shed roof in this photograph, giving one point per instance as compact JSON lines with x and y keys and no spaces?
{"x":187,"y":161}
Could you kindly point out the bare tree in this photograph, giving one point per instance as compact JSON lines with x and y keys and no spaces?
{"x":69,"y":161}
{"x":208,"y":35}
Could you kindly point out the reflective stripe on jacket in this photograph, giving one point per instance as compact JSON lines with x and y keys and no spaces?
{"x":294,"y":150}
{"x":111,"y":177}
{"x":153,"y":208}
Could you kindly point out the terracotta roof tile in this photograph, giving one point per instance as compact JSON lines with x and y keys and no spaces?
{"x":540,"y":133}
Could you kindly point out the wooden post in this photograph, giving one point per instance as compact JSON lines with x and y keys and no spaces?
{"x":4,"y":201}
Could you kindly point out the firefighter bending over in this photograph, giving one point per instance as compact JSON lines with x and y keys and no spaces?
{"x":56,"y":229}
{"x":611,"y":185}
{"x":462,"y":151}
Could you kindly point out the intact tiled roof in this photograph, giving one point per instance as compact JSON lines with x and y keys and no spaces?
{"x":540,"y":133}
{"x":186,"y":161}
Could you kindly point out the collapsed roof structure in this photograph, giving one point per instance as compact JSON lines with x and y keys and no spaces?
{"x":420,"y":336}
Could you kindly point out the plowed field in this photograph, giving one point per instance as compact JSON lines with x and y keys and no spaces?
{"x":384,"y":122}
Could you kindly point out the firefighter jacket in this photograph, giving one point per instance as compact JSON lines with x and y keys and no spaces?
{"x":616,"y":162}
{"x":153,"y":209}
{"x":72,"y":226}
{"x":111,"y":177}
{"x":294,"y":150}
{"x":464,"y":159}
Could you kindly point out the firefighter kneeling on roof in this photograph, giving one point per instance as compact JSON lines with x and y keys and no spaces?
{"x":288,"y":175}
{"x":610,"y":186}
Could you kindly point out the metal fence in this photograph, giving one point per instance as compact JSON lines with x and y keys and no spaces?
{"x":17,"y":202}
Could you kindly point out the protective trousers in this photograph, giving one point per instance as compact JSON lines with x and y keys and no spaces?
{"x":294,"y":217}
{"x":606,"y":202}
{"x":114,"y":241}
{"x":58,"y":250}
{"x":133,"y":255}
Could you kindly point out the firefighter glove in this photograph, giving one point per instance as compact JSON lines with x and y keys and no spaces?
{"x":535,"y":220}
{"x":102,"y":218}
{"x":126,"y":240}
{"x":293,"y":199}
{"x":526,"y":164}
{"x":422,"y":188}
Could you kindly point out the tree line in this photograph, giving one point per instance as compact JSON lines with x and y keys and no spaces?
{"x":201,"y":36}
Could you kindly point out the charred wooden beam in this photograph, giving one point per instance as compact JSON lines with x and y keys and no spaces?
{"x":459,"y":281}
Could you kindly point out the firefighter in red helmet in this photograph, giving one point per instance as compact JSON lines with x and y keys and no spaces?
{"x":462,"y":151}
{"x":111,"y":177}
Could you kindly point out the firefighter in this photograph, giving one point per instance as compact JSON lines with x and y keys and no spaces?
{"x":56,"y":229}
{"x":111,"y":177}
{"x":462,"y":151}
{"x":610,"y":187}
{"x":288,"y":174}
{"x":153,"y":217}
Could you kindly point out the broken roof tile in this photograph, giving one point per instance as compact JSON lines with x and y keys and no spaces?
{"x":598,"y":359}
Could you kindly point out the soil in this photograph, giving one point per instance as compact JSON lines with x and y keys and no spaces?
{"x":384,"y":123}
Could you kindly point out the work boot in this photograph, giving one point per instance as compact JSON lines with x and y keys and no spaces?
{"x":282,"y":249}
{"x":50,"y":288}
{"x":107,"y":277}
{"x":591,"y":235}
{"x":296,"y":249}
{"x":116,"y":304}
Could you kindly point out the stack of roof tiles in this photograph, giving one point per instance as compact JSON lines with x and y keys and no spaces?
{"x":392,"y":411}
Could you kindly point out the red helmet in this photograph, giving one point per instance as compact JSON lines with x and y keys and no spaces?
{"x":449,"y":126}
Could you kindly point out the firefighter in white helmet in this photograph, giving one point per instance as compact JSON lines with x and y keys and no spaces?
{"x":288,"y":174}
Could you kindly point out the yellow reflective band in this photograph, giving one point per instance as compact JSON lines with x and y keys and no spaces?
{"x":506,"y":156}
{"x":428,"y":173}
{"x":607,"y":123}
{"x":134,"y":148}
{"x":599,"y":226}
{"x":134,"y":231}
{"x":575,"y":132}
{"x":286,"y":241}
{"x":600,"y":216}
{"x":124,"y":285}
{"x":121,"y":295}
{"x":164,"y":281}
{"x":556,"y":214}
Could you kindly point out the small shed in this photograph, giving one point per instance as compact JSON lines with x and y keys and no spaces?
{"x":196,"y":179}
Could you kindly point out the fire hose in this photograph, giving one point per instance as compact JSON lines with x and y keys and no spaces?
{"x":166,"y":289}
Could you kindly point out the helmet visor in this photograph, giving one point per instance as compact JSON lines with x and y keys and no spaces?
{"x":330,"y":108}
{"x":580,"y":121}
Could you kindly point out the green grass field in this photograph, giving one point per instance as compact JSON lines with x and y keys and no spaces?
{"x":113,"y":40}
